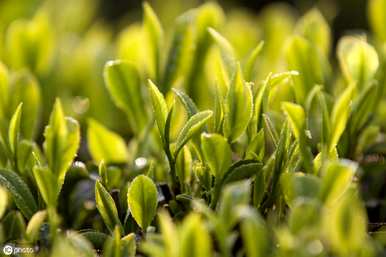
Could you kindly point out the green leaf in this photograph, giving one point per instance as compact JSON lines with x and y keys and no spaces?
{"x":296,"y":117}
{"x":326,"y":122}
{"x":339,"y":116}
{"x":278,"y":160}
{"x":233,"y":196}
{"x":159,"y":107}
{"x":315,"y":29}
{"x":129,"y":245}
{"x":217,"y":154}
{"x":14,"y":129}
{"x":32,"y":232}
{"x":195,"y":238}
{"x":305,"y":214}
{"x":96,"y":238}
{"x":25,"y":89}
{"x":166,"y":134}
{"x":192,"y":126}
{"x":102,"y":170}
{"x":142,"y":200}
{"x":48,"y":185}
{"x":169,"y":234}
{"x":227,"y":52}
{"x":262,"y":96}
{"x":183,"y":165}
{"x":179,"y":56}
{"x":363,"y":107}
{"x":346,"y":225}
{"x":297,"y":185}
{"x":123,"y":82}
{"x":106,"y":207}
{"x":256,"y":147}
{"x":187,"y":102}
{"x":218,"y":111}
{"x":20,"y":192}
{"x":130,"y":46}
{"x":30,"y":44}
{"x":241,"y":170}
{"x":251,"y":62}
{"x":3,"y":201}
{"x":358,"y":60}
{"x":259,"y":189}
{"x":13,"y":226}
{"x":4,"y":87}
{"x":297,"y":120}
{"x":71,"y":244}
{"x":336,"y":180}
{"x":377,"y":18}
{"x":25,"y":156}
{"x":62,"y":137}
{"x":207,"y":15}
{"x":105,"y":144}
{"x":113,"y":245}
{"x":254,"y":230}
{"x":238,"y":107}
{"x":155,"y":38}
{"x":303,"y":57}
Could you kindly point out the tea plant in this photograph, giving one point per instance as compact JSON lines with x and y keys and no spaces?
{"x":216,"y":146}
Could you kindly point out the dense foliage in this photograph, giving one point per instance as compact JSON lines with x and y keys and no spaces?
{"x":219,"y":135}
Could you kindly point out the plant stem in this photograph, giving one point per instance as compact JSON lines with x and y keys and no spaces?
{"x":172,"y":166}
{"x":215,"y":194}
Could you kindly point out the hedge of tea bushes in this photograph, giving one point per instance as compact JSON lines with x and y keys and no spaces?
{"x":219,"y":134}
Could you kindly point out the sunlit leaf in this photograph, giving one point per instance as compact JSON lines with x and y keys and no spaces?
{"x":142,"y":200}
{"x":105,"y":144}
{"x":192,"y":126}
{"x":107,"y":208}
{"x":217,"y":153}
{"x":154,"y":33}
{"x":20,"y":192}
{"x":123,"y":82}
{"x":336,"y":180}
{"x":160,"y":108}
{"x":238,"y":107}
{"x":358,"y":60}
{"x":62,"y":137}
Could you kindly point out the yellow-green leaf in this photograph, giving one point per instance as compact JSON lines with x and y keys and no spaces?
{"x":195,"y":238}
{"x":336,"y":180}
{"x":105,"y":144}
{"x":296,"y":117}
{"x":377,"y":18}
{"x":159,"y":107}
{"x":124,"y":85}
{"x":315,"y":29}
{"x":142,"y":200}
{"x":192,"y":126}
{"x":20,"y":192}
{"x":155,"y":38}
{"x":48,"y":185}
{"x":14,"y":129}
{"x":217,"y":153}
{"x":339,"y":116}
{"x":358,"y":60}
{"x":62,"y":137}
{"x":238,"y":107}
{"x":106,"y":207}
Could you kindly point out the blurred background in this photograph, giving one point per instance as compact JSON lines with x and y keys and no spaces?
{"x":79,"y":36}
{"x":344,"y":15}
{"x":75,"y":38}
